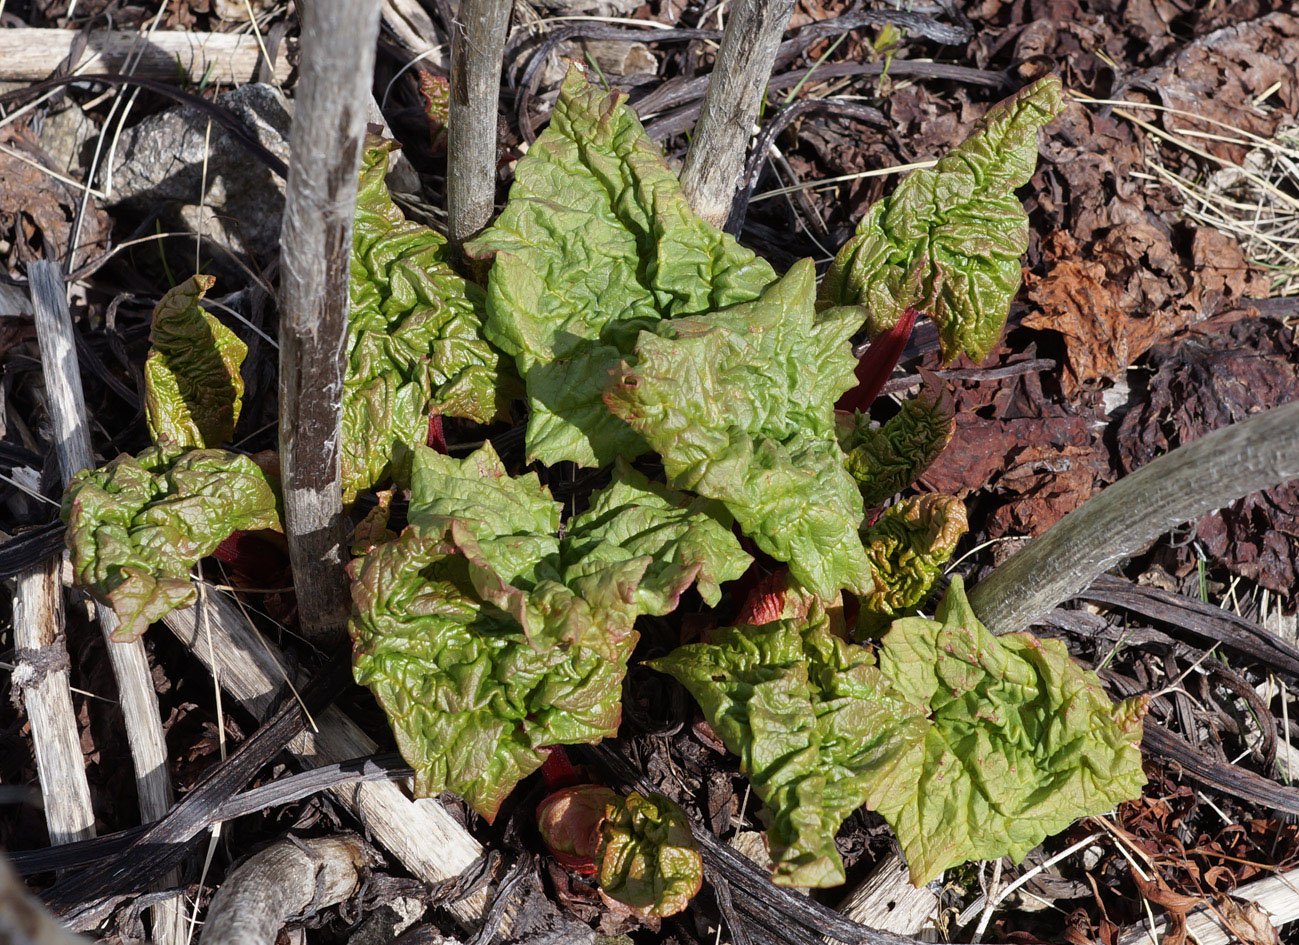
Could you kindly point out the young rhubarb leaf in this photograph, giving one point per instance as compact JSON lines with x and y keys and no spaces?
{"x":473,"y":702}
{"x":633,"y":551}
{"x":740,"y":405}
{"x":648,"y":858}
{"x":570,"y":820}
{"x":885,"y":460}
{"x":415,"y":341}
{"x":192,"y":385}
{"x":687,"y":541}
{"x":948,"y":241}
{"x":908,"y":546}
{"x":137,"y":525}
{"x":596,"y":243}
{"x":487,"y":639}
{"x":817,"y":728}
{"x":640,"y":848}
{"x":1020,"y":742}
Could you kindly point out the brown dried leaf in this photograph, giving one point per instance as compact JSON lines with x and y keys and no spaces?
{"x":1248,"y":921}
{"x":1209,"y":380}
{"x":1220,"y":76}
{"x":37,"y":211}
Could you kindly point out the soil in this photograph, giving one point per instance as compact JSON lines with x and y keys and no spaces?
{"x":1144,"y":321}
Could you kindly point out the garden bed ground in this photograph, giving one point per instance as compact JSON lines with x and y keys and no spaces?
{"x":1159,"y":303}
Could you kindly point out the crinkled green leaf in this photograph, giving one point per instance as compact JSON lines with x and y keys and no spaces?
{"x":949,"y":239}
{"x":634,"y":551}
{"x":1021,"y":740}
{"x":514,"y":520}
{"x":487,"y":638}
{"x":887,"y":459}
{"x":649,"y":861}
{"x":415,"y":343}
{"x":908,"y":546}
{"x":473,"y":702}
{"x":817,"y":728}
{"x":740,"y":405}
{"x":596,"y":243}
{"x":137,"y":525}
{"x":192,"y":385}
{"x":687,"y":540}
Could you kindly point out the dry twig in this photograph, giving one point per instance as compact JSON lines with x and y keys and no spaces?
{"x":338,"y":39}
{"x":1181,"y":486}
{"x":218,"y":58}
{"x":289,"y":878}
{"x":477,"y":47}
{"x":130,"y":663}
{"x":712,"y":171}
{"x":41,"y":676}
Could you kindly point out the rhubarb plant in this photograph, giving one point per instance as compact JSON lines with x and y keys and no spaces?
{"x":487,"y":638}
{"x":639,"y":848}
{"x":723,"y":405}
{"x":971,"y":746}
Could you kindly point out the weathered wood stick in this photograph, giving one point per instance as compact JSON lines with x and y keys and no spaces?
{"x":1181,"y":486}
{"x":338,"y":40}
{"x":477,"y":47}
{"x":423,"y":836}
{"x":413,"y":28}
{"x":887,"y":901}
{"x":714,"y":163}
{"x":40,"y":676}
{"x":173,"y":56}
{"x":136,"y":695}
{"x":23,"y":920}
{"x":289,"y":878}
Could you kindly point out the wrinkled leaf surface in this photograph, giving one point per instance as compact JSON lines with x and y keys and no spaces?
{"x":595,"y":244}
{"x":740,"y":405}
{"x":948,"y":240}
{"x":192,"y":385}
{"x":648,"y":857}
{"x":415,"y":343}
{"x":137,"y":525}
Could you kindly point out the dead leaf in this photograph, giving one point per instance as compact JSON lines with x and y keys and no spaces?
{"x":1248,"y":921}
{"x":1221,"y":75}
{"x":38,"y":211}
{"x":1209,"y":380}
{"x":1073,"y":298}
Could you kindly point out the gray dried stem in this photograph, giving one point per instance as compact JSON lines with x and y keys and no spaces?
{"x":23,"y":920}
{"x":136,"y":695}
{"x":289,"y":878}
{"x":338,"y":40}
{"x":1181,"y":486}
{"x":425,"y":838}
{"x":40,"y":677}
{"x":477,"y":47}
{"x":715,"y":161}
